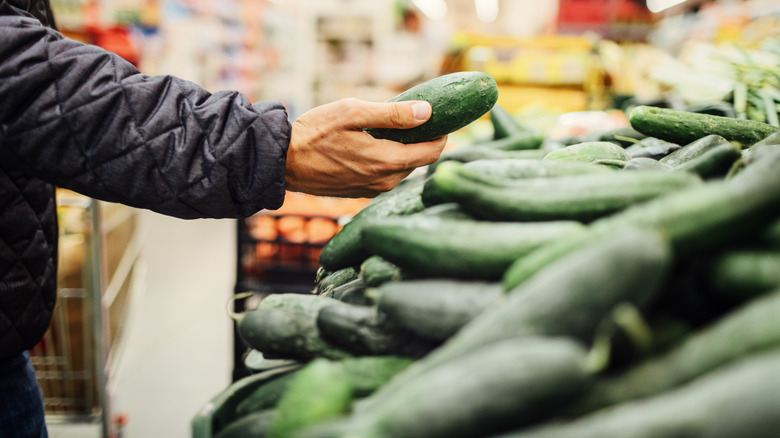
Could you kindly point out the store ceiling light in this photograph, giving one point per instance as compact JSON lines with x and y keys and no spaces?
{"x":433,"y":9}
{"x":656,"y":6}
{"x":487,"y":10}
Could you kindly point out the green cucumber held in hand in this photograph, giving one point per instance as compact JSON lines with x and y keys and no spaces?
{"x":456,"y":99}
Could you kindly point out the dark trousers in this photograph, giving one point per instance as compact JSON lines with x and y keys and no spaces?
{"x":21,"y":401}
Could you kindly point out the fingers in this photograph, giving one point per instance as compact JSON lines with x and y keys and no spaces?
{"x":399,"y":115}
{"x":405,"y":157}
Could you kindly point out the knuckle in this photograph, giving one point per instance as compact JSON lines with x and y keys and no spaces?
{"x":396,"y":115}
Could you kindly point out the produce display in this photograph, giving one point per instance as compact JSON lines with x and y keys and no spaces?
{"x":625,"y":284}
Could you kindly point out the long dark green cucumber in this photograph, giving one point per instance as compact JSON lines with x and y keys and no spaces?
{"x":504,"y":123}
{"x":683,"y":127}
{"x":628,"y":267}
{"x":320,"y":391}
{"x":578,"y":197}
{"x":457,"y":99}
{"x":710,"y":215}
{"x":748,"y":329}
{"x":507,"y":168}
{"x":363,"y":331}
{"x":345,"y":249}
{"x":738,"y":400}
{"x":219,"y":411}
{"x":501,"y":385}
{"x":436,"y":308}
{"x":434,"y":247}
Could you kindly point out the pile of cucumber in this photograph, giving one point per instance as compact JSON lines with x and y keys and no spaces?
{"x":626,"y":285}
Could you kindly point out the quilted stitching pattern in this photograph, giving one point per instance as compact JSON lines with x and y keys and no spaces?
{"x":28,"y":249}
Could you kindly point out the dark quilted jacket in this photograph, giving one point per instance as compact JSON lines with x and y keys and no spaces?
{"x":78,"y":117}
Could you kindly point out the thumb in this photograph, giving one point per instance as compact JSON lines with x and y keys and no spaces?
{"x":399,"y":115}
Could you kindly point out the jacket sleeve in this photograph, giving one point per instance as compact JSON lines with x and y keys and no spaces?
{"x":82,"y":118}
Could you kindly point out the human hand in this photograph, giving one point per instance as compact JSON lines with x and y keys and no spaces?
{"x":331,"y":155}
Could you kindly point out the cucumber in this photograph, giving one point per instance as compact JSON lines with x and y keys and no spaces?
{"x":363,"y":331}
{"x":693,"y":150}
{"x":498,"y":171}
{"x":517,"y":142}
{"x":645,"y":163}
{"x":527,"y":266}
{"x":425,"y":246}
{"x":582,"y":197}
{"x":375,"y":270}
{"x":706,"y":216}
{"x":447,"y":210}
{"x":352,"y":292}
{"x":589,"y":152}
{"x":628,"y":267}
{"x":369,"y":373}
{"x":770,"y":237}
{"x":766,"y":145}
{"x":365,"y":374}
{"x":742,"y":274}
{"x":473,"y":153}
{"x":457,"y":99}
{"x":499,"y":386}
{"x":344,"y":249}
{"x":739,"y":400}
{"x":285,"y":326}
{"x":321,"y":390}
{"x":683,"y":127}
{"x":507,"y":168}
{"x":651,"y":147}
{"x":504,"y":123}
{"x":748,"y":329}
{"x":219,"y":411}
{"x":336,"y":279}
{"x":266,"y":396}
{"x":714,"y":163}
{"x":435,"y":309}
